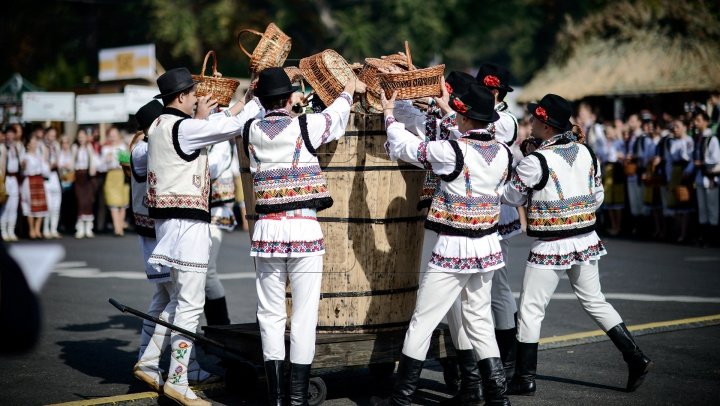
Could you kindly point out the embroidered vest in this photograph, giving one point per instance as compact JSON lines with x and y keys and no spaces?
{"x":467,"y":202}
{"x":144,"y":225}
{"x":222,"y":181}
{"x":286,"y":172}
{"x":562,"y":204}
{"x":178,"y":183}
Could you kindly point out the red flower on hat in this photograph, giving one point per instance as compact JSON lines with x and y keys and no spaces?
{"x":541,"y":113}
{"x":448,"y":87}
{"x":491,"y":81}
{"x":459,"y":106}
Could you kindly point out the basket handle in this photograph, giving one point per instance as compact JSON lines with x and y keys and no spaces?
{"x":407,"y":54}
{"x":215,"y":72}
{"x":242,"y":48}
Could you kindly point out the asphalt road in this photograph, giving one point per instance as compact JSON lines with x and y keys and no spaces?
{"x":88,"y":348}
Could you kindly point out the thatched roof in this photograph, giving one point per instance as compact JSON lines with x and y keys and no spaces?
{"x":608,"y":58}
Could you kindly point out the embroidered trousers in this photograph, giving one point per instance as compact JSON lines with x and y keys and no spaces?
{"x":538,"y":287}
{"x":436,"y":295}
{"x":305,"y":276}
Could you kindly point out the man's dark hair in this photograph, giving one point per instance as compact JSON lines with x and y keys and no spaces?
{"x":171,"y":98}
{"x":274,"y":102}
{"x":701,"y":113}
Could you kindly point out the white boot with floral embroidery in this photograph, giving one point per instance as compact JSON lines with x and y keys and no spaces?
{"x":176,"y":387}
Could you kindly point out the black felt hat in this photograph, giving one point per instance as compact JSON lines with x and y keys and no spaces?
{"x":148,"y":113}
{"x":274,"y":82}
{"x":478,"y":104}
{"x":174,"y":81}
{"x":494,"y":76}
{"x":552,"y":110}
{"x":458,"y":83}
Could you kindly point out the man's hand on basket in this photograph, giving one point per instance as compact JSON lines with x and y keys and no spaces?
{"x":443,"y":101}
{"x":205,"y":105}
{"x":388,"y":106}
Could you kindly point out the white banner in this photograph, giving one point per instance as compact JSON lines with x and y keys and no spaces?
{"x":48,"y":106}
{"x":127,"y":63}
{"x":101,"y":108}
{"x":137,"y":96}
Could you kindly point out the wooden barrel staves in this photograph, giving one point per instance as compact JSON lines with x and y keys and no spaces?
{"x":373,"y":232}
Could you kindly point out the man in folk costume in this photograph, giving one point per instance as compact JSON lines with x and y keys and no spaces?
{"x":222,"y":218}
{"x":15,"y":152}
{"x":178,"y":196}
{"x":495,"y":78}
{"x":153,"y":338}
{"x":707,"y":175}
{"x":440,"y":123}
{"x":562,"y":186}
{"x":465,"y":212}
{"x":287,"y":242}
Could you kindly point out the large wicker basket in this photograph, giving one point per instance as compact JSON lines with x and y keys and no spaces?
{"x":327,"y":73}
{"x":222,"y":89}
{"x":369,"y":75}
{"x":271,"y":51}
{"x":414,"y":83}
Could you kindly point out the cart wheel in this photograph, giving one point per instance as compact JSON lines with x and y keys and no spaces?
{"x":317,"y":391}
{"x":240,"y":377}
{"x":451,"y":374}
{"x":382,"y":371}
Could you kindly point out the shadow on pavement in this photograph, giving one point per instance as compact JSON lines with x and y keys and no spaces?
{"x":91,"y":358}
{"x":123,"y":322}
{"x":580,"y":383}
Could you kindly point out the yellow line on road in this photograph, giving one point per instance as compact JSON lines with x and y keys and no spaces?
{"x":637,"y":327}
{"x":705,"y":320}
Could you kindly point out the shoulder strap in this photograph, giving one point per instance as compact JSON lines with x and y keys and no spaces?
{"x":545,"y":171}
{"x":459,"y":162}
{"x":246,"y":137}
{"x":302,"y":120}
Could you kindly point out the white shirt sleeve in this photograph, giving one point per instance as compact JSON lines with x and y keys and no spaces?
{"x":219,"y":159}
{"x":411,"y":117}
{"x":330,"y":125}
{"x":437,"y":156}
{"x":598,"y":188}
{"x":505,"y":128}
{"x":139,"y":158}
{"x":526,"y":174}
{"x":195,"y":134}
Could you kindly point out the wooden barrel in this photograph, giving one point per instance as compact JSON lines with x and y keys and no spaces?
{"x":373,"y":232}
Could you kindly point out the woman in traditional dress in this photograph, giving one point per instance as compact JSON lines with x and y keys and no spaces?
{"x":34,"y":203}
{"x":53,"y":189}
{"x":84,"y":166}
{"x":614,"y":179}
{"x":116,"y":191}
{"x":676,"y":159}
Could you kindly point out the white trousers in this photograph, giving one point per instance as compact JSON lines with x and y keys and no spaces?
{"x":635,"y":197}
{"x":9,"y":215}
{"x":538,"y":287}
{"x":213,"y":287}
{"x":53,"y":193}
{"x":707,"y":205}
{"x":156,"y":336}
{"x":305,"y":275}
{"x":436,"y":295}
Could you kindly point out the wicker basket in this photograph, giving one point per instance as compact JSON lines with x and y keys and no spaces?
{"x":327,"y":73}
{"x":222,"y":89}
{"x":414,"y":83}
{"x":271,"y":51}
{"x":630,"y":168}
{"x":397,"y":59}
{"x":682,"y":193}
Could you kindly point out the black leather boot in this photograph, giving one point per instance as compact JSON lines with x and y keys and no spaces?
{"x":523,"y":383}
{"x":299,"y":383}
{"x":216,"y":312}
{"x":506,"y":344}
{"x":493,"y":382}
{"x":638,"y":363}
{"x":408,"y":374}
{"x":469,"y":393}
{"x":275,"y":373}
